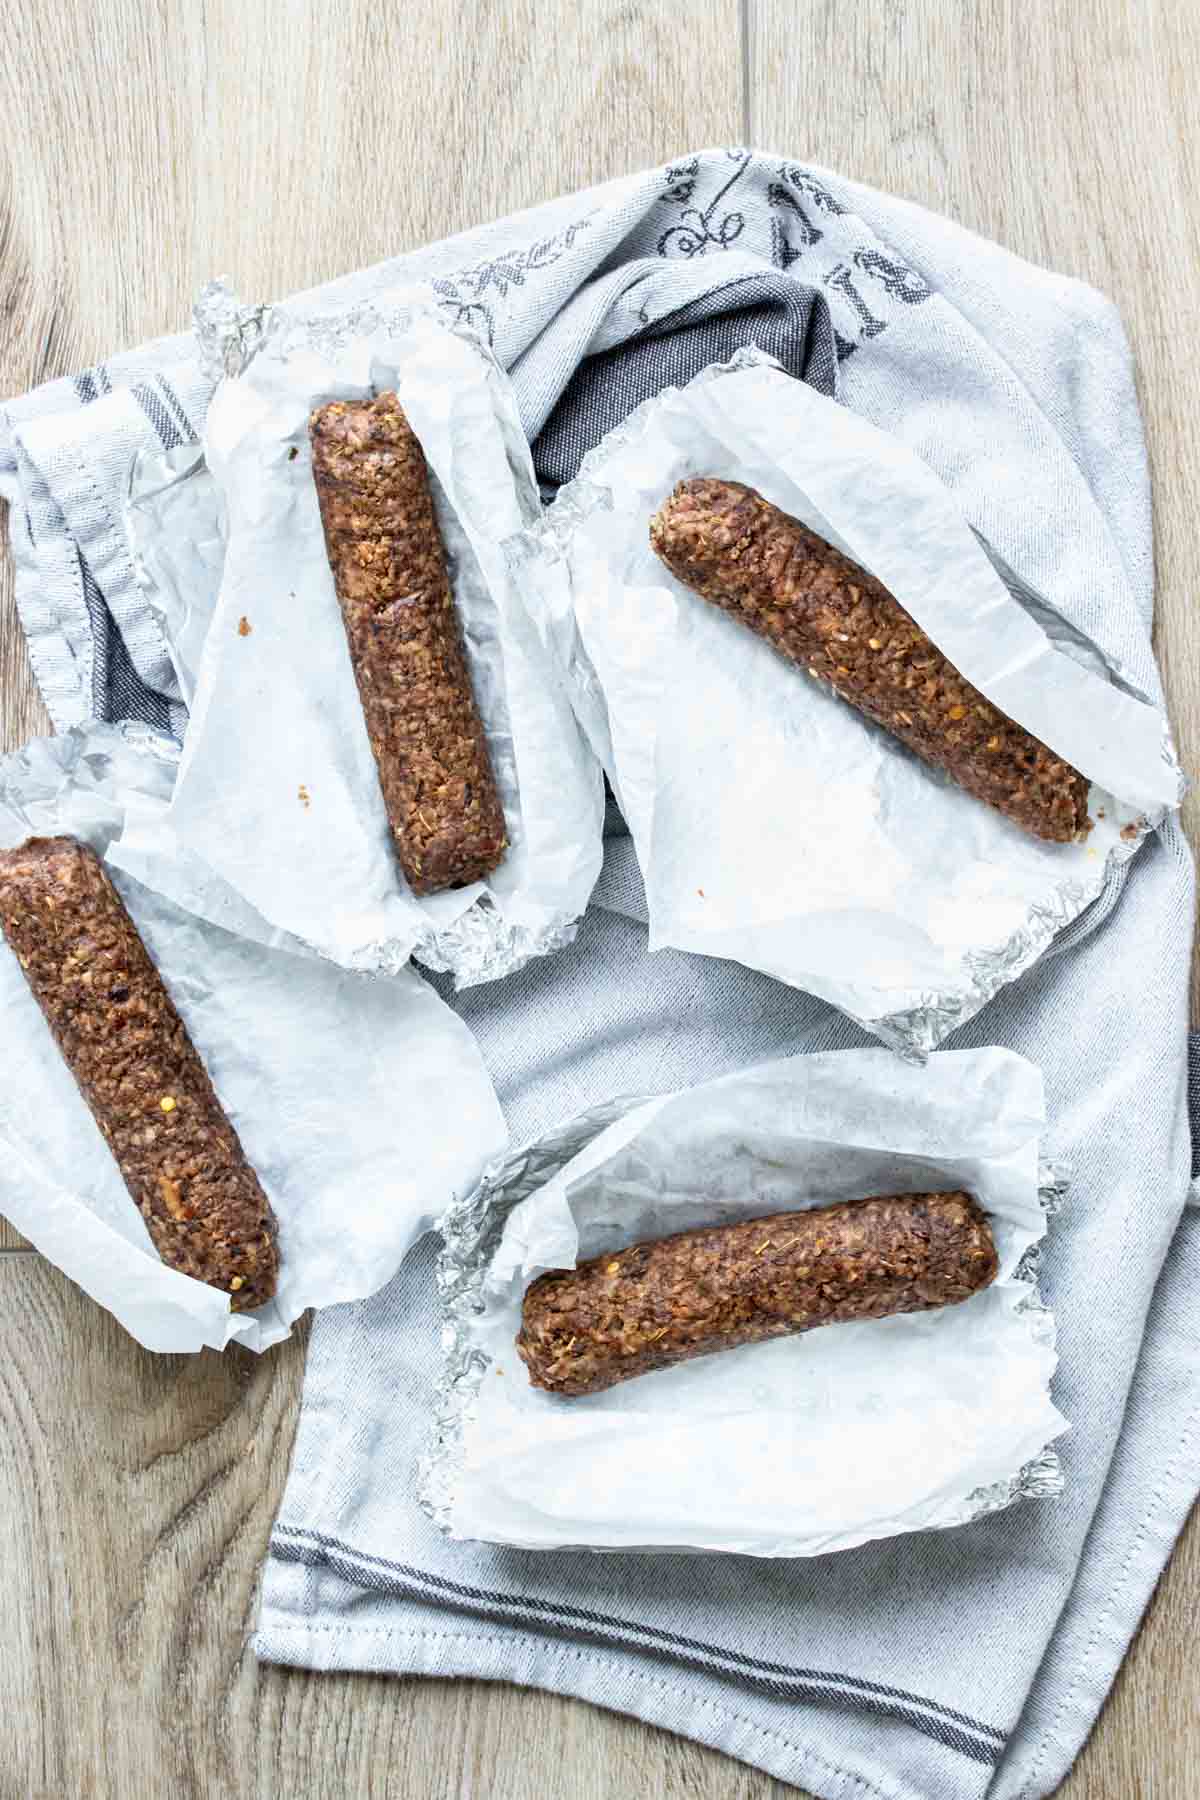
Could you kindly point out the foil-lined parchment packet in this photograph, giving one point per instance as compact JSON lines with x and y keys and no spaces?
{"x":278,"y":790}
{"x":775,"y":825}
{"x":362,"y":1102}
{"x":796,"y":1447}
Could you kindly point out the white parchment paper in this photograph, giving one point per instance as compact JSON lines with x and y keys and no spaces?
{"x":363,"y":1103}
{"x":774,"y":825}
{"x":174,"y":524}
{"x":792,"y":1448}
{"x":278,"y":790}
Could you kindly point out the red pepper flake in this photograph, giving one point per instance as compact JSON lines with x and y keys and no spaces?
{"x":244,"y":626}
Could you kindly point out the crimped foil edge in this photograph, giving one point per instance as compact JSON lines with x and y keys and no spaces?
{"x":471,"y":1230}
{"x":483,"y":946}
{"x":916,"y":1031}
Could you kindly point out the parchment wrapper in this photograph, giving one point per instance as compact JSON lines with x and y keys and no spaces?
{"x":175,"y":528}
{"x":791,"y":1448}
{"x":278,"y":790}
{"x":363,"y":1103}
{"x":775,"y":825}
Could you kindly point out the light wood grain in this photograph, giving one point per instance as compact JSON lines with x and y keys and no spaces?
{"x":23,"y":333}
{"x":282,"y":145}
{"x":146,"y":149}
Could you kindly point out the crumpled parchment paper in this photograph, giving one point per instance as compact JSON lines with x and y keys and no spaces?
{"x":278,"y":790}
{"x":175,"y":528}
{"x":774,"y":825}
{"x":362,"y":1102}
{"x":792,"y":1448}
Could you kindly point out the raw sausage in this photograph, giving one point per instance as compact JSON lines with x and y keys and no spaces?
{"x":389,"y":569}
{"x":654,"y":1304}
{"x":735,"y":549}
{"x":123,"y":1041}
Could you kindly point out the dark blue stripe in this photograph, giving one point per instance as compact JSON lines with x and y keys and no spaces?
{"x":176,"y":405}
{"x":152,"y":405}
{"x":118,"y":691}
{"x":766,"y":1674}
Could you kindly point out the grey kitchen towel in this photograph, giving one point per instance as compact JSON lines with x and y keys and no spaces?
{"x":950,"y":1664}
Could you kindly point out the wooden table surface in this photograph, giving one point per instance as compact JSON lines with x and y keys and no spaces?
{"x":148,"y":147}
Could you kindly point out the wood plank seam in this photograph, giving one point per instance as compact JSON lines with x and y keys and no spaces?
{"x":746,"y":34}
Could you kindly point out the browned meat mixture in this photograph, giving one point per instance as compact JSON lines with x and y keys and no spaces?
{"x":620,"y":1315}
{"x":389,"y":568}
{"x":127,"y":1047}
{"x":822,"y":611}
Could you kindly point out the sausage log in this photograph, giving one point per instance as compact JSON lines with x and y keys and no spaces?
{"x":651,"y":1305}
{"x":735,"y":549}
{"x":128,"y":1049}
{"x":389,"y":569}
